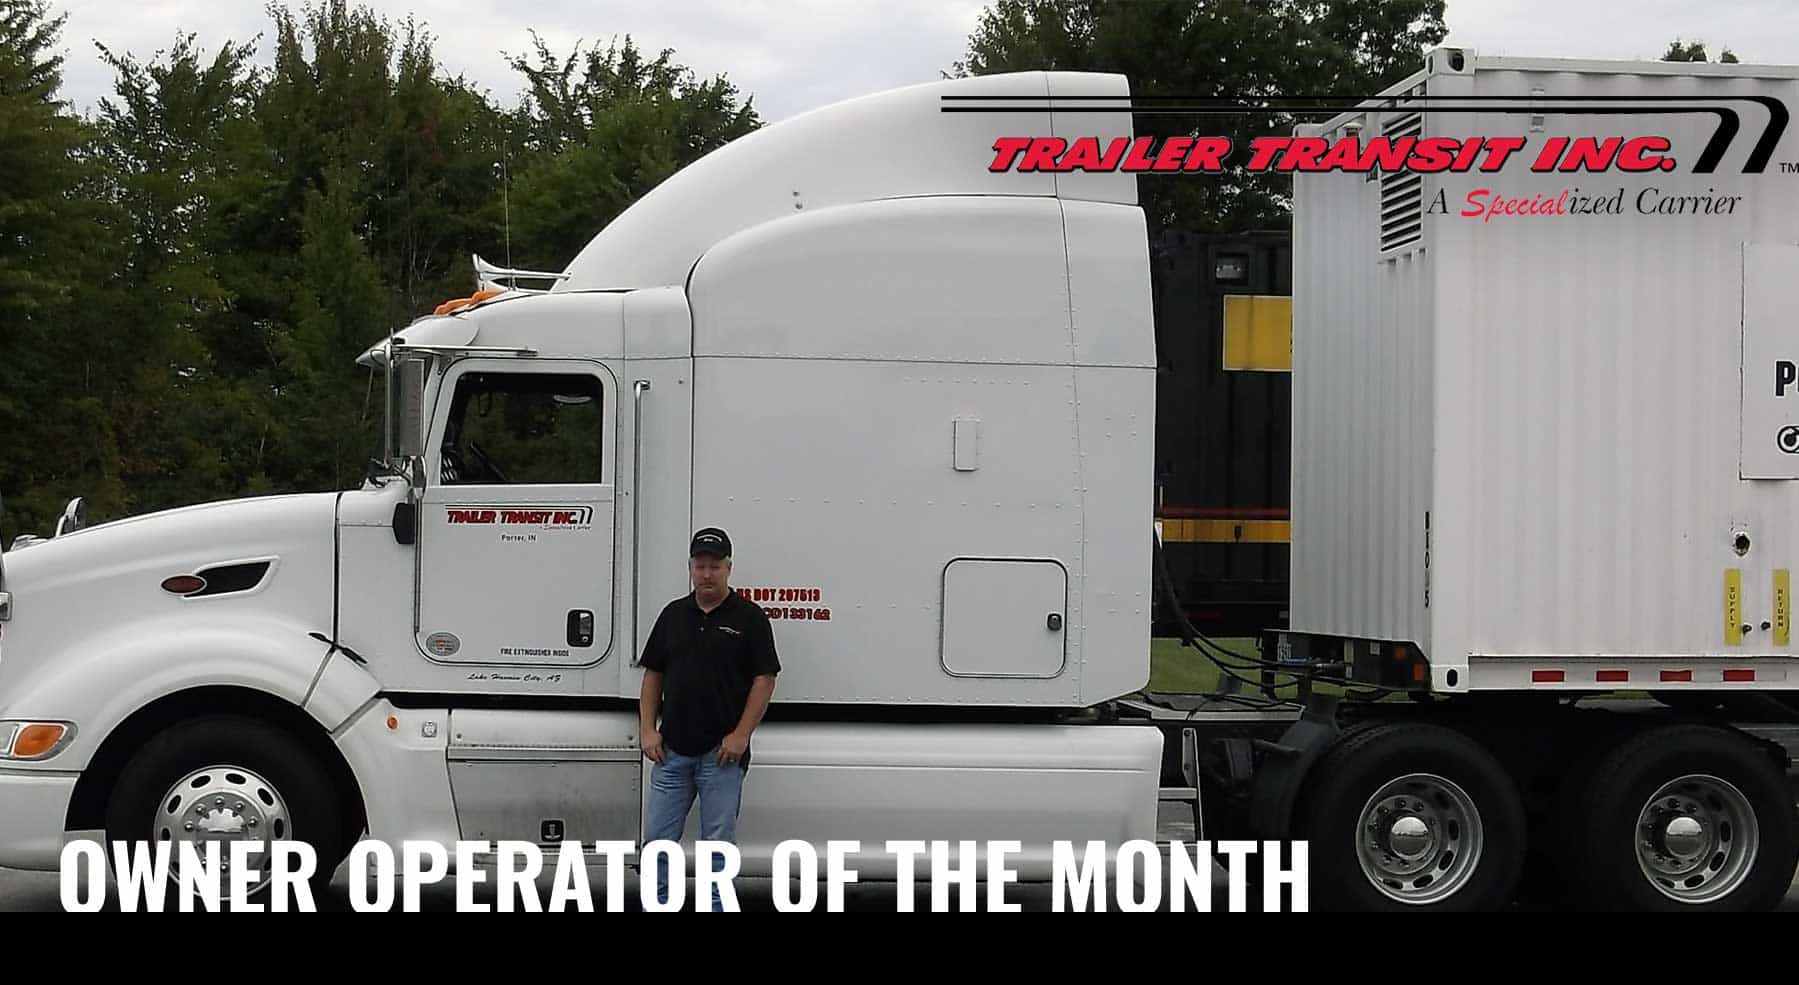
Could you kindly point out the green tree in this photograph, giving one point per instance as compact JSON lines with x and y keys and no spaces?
{"x":1694,"y":51}
{"x":185,"y":160}
{"x":58,"y":258}
{"x":191,"y":273}
{"x":1219,"y":49}
{"x":591,"y":142}
{"x":386,"y":181}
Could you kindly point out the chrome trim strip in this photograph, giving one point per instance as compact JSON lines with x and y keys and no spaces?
{"x":464,"y":754}
{"x":641,"y":386}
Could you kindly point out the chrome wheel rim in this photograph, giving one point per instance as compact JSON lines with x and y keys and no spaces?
{"x":223,"y":804}
{"x":1419,"y":838}
{"x":1697,"y":838}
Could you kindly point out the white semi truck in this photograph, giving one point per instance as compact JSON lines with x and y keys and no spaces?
{"x":919,"y":394}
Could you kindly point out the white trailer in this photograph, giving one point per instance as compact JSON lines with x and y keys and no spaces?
{"x":920,"y":396}
{"x":1540,"y":452}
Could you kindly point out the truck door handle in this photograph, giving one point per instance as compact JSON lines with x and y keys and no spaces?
{"x":580,"y":627}
{"x":1055,"y":622}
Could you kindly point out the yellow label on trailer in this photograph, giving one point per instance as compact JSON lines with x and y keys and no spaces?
{"x":1783,"y":606}
{"x":1733,"y":606}
{"x":1226,"y":531}
{"x":1258,"y":332}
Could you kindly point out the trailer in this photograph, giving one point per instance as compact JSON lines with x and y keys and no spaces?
{"x":1539,"y":456}
{"x":1223,"y":412}
{"x":920,"y":392}
{"x":1542,"y":500}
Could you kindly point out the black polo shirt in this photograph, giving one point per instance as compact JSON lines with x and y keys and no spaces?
{"x":708,"y":661}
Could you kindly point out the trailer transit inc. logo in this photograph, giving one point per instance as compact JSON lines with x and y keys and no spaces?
{"x":532,"y":516}
{"x":1350,"y":152}
{"x":1429,"y":155}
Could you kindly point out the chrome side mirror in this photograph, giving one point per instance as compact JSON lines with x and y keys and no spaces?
{"x":5,"y":596}
{"x":74,"y":517}
{"x":411,"y":438}
{"x":412,"y":423}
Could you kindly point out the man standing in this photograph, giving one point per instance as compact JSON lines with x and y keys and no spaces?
{"x":709,"y":670}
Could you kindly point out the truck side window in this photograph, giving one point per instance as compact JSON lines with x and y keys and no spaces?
{"x":524,"y":428}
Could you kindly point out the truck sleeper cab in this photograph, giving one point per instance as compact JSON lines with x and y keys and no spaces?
{"x":919,"y":396}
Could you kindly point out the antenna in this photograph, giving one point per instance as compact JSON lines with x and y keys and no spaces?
{"x":505,"y":188}
{"x":488,"y":276}
{"x":387,"y":385}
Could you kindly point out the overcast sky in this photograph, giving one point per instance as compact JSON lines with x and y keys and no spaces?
{"x":793,"y":55}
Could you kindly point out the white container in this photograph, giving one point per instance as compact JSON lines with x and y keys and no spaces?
{"x":1536,"y":446}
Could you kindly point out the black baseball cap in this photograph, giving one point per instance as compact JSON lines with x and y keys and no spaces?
{"x":711,"y":541}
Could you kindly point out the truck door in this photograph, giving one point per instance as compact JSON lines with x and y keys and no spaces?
{"x":516,"y":526}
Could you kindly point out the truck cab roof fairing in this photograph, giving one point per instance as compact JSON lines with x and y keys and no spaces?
{"x":895,"y":144}
{"x":431,"y":330}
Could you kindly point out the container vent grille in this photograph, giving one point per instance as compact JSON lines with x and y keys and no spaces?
{"x":1402,"y":191}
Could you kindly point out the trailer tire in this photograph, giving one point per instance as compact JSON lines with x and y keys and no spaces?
{"x":254,"y":778}
{"x":1734,"y":706}
{"x":1409,"y":817}
{"x":1682,"y":817}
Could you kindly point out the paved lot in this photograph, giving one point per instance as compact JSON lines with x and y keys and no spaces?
{"x":40,"y":891}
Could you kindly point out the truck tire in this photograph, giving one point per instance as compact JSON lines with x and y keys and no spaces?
{"x":1691,"y":702}
{"x":1411,"y":817}
{"x":1733,"y":706}
{"x":229,"y":778}
{"x":1681,"y":817}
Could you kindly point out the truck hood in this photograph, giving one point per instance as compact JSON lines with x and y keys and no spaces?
{"x":71,"y":592}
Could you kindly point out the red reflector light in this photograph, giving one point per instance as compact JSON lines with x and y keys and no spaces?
{"x":1546,"y":676}
{"x":1613,"y":675}
{"x":1677,"y":675}
{"x":1739,"y":675}
{"x":183,"y":584}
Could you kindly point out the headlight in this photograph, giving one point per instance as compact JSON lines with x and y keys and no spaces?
{"x":33,"y":740}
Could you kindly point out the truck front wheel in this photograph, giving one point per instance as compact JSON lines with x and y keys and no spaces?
{"x":1682,"y":817}
{"x":226,"y":778}
{"x":1411,"y":817}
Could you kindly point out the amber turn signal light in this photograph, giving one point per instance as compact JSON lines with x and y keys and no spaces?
{"x":35,"y":740}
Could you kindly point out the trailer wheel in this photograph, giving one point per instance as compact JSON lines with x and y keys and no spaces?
{"x":1409,"y":817}
{"x":226,"y":778}
{"x":1690,"y":702}
{"x":1682,"y":817}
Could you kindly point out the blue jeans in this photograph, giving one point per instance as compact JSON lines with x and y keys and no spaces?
{"x":674,"y":784}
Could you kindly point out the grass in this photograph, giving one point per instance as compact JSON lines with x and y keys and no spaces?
{"x":1177,"y":669}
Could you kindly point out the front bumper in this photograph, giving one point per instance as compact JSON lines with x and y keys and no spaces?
{"x":34,"y":807}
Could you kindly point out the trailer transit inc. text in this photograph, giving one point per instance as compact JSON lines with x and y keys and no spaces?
{"x":1428,"y":155}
